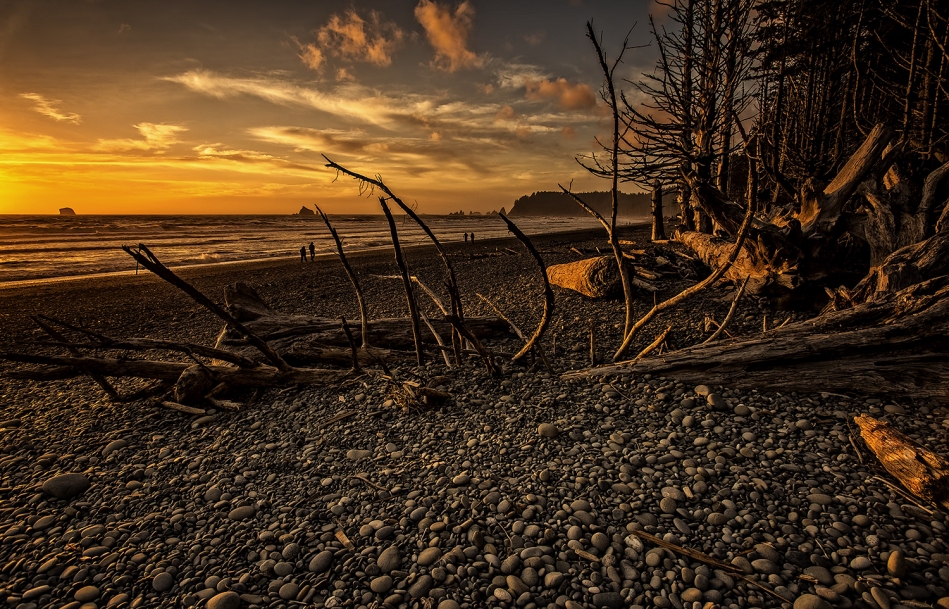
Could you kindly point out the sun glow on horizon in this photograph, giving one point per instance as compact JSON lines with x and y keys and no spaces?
{"x":430,"y":97}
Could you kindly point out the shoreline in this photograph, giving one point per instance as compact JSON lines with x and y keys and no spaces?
{"x":291,"y":259}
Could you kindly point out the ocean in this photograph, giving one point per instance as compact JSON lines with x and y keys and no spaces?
{"x":53,"y":248}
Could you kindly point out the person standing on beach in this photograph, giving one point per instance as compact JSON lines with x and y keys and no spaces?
{"x":312,"y":253}
{"x":466,"y":238}
{"x":472,"y":238}
{"x":303,"y":254}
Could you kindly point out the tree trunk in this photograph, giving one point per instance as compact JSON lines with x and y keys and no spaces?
{"x":658,"y":228}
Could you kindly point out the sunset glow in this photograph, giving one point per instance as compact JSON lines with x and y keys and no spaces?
{"x":184,"y":107}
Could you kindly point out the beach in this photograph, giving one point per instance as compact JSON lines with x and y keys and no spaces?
{"x":521,"y":490}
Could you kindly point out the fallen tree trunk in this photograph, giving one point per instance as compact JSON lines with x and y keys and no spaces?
{"x":895,"y":346}
{"x":260,"y":376}
{"x":308,"y":340}
{"x":596,"y":277}
{"x":593,"y":277}
{"x":921,"y":471}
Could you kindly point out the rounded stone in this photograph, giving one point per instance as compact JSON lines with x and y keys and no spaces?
{"x":242,"y":513}
{"x":289,"y":591}
{"x":86,"y":594}
{"x":716,"y":401}
{"x":225,"y":600}
{"x":548,"y":430}
{"x":810,"y":601}
{"x":389,"y":560}
{"x":600,"y":541}
{"x":428,"y":556}
{"x":381,"y":584}
{"x":609,"y":600}
{"x":860,"y":563}
{"x":691,"y":595}
{"x":113,"y":446}
{"x":163,"y":582}
{"x":66,"y":486}
{"x":896,"y":564}
{"x":321,"y":562}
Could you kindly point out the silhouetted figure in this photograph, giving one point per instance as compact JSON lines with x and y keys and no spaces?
{"x":312,"y":252}
{"x":472,"y":238}
{"x":466,"y":237}
{"x":303,"y":254}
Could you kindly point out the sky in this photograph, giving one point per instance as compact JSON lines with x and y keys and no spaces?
{"x":142,"y":107}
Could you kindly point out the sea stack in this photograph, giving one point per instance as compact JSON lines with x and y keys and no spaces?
{"x":68,"y":211}
{"x":306,"y":211}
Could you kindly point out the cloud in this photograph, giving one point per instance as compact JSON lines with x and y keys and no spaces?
{"x":354,"y":102}
{"x":447,"y":32}
{"x":353,"y":38}
{"x":47,"y":107}
{"x":505,"y":114}
{"x":312,"y":57}
{"x":344,"y":75}
{"x":158,"y":137}
{"x":536,"y":38}
{"x":568,"y":96}
{"x":568,"y":132}
{"x":125,"y":28}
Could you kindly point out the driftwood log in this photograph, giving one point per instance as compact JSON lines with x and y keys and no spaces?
{"x":897,"y":345}
{"x":593,"y":277}
{"x":598,"y":277}
{"x":921,"y":471}
{"x":306,"y":341}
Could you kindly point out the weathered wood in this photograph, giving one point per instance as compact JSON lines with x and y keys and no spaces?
{"x":363,"y":311}
{"x":658,"y":227}
{"x":261,"y":376}
{"x":407,"y":283}
{"x":548,"y":292}
{"x":594,"y":277}
{"x":895,"y":346}
{"x":690,"y":291}
{"x":307,"y":340}
{"x":147,"y":259}
{"x":920,"y":470}
{"x":819,"y":211}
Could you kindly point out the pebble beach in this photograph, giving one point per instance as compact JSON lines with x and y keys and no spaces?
{"x":527,"y":489}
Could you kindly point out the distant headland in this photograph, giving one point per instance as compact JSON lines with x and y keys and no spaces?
{"x":66,"y":211}
{"x":561,"y":204}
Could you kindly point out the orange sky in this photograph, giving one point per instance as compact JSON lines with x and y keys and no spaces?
{"x":200,"y":107}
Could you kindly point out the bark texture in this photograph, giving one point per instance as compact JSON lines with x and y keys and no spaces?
{"x":921,"y":471}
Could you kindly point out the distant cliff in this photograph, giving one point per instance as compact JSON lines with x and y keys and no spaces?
{"x":560,"y":204}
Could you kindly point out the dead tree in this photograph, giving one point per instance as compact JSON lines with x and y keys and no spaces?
{"x":610,"y":98}
{"x":658,"y":226}
{"x":451,"y":283}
